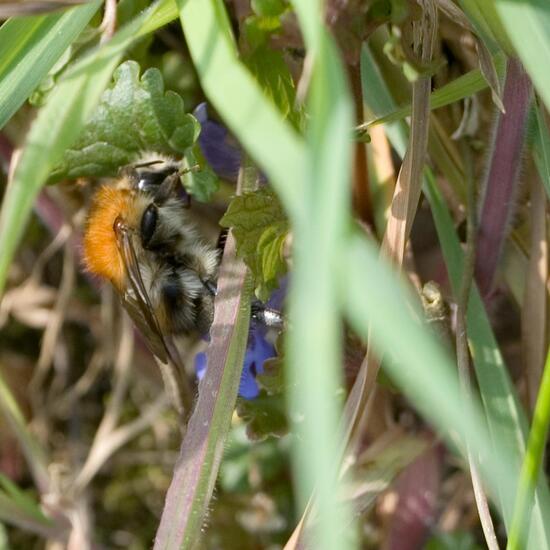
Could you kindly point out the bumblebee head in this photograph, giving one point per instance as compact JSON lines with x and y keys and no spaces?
{"x":133,"y":199}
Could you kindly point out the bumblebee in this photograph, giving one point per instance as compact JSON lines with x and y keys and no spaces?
{"x":139,"y":236}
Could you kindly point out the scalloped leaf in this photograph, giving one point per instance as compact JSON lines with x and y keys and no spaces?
{"x":264,"y":416}
{"x":134,"y":115}
{"x":260,"y":228}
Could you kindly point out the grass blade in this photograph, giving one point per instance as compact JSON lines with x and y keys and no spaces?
{"x":11,"y":512}
{"x":542,"y":148}
{"x":17,"y":508}
{"x":418,"y":365}
{"x":505,"y":417}
{"x":531,"y":468}
{"x":502,"y":174}
{"x":30,"y":48}
{"x":460,"y":88}
{"x":314,"y":345}
{"x":528,"y":26}
{"x":268,"y":139}
{"x":34,"y":454}
{"x":202,"y":448}
{"x":533,"y":313}
{"x":484,"y":18}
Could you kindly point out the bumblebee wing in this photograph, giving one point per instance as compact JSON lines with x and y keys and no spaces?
{"x":137,"y":302}
{"x":153,"y":341}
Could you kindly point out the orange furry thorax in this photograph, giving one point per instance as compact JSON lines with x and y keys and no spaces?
{"x":101,"y":254}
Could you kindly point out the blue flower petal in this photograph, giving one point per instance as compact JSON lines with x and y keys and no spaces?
{"x":219,"y":148}
{"x":258,"y":351}
{"x":200,"y":365}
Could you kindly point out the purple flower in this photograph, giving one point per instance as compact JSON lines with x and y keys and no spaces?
{"x":219,"y":147}
{"x":258,"y":350}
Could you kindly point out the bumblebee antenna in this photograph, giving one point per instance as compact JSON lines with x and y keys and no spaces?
{"x":194,"y":168}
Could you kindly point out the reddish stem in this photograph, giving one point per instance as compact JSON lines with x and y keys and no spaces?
{"x":502,"y":179}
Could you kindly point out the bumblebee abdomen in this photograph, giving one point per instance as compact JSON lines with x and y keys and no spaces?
{"x":183,"y":303}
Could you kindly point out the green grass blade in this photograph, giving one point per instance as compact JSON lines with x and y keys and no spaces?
{"x":424,"y":372}
{"x":505,"y":416}
{"x":460,"y":88}
{"x":378,"y":98}
{"x":30,"y":48}
{"x":314,"y":344}
{"x":528,"y":26}
{"x":60,"y":121}
{"x":19,"y":509}
{"x":11,"y":512}
{"x":34,"y":454}
{"x":531,"y":468}
{"x":295,"y":171}
{"x":485,"y":20}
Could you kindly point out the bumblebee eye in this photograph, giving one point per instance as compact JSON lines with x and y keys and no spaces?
{"x":148,"y":224}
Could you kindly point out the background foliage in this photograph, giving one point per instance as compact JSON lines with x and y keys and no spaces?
{"x":402,"y":152}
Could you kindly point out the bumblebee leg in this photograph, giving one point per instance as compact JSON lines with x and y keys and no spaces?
{"x":222,"y":238}
{"x":267,"y":316}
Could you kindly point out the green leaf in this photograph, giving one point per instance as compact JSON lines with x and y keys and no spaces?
{"x":272,"y":380}
{"x":30,"y":48}
{"x":275,"y":79}
{"x":40,"y":94}
{"x":202,"y":183}
{"x":268,"y":8}
{"x":258,"y":29}
{"x":260,"y":228}
{"x":133,"y":116}
{"x":264,"y":416}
